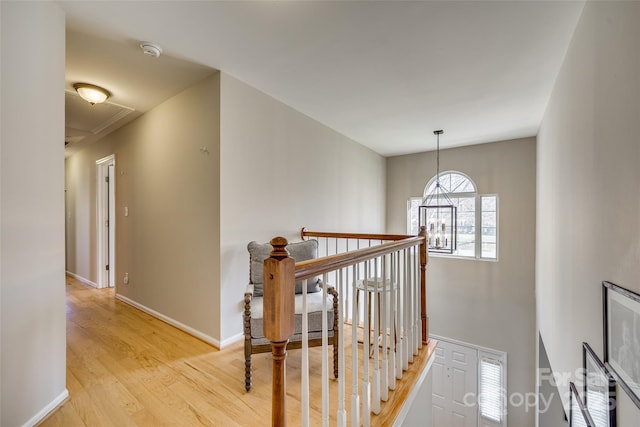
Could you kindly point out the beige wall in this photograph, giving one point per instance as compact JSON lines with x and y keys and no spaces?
{"x":191,"y":215}
{"x":490,"y":304}
{"x":588,"y":178}
{"x":281,"y":171}
{"x":169,"y":243}
{"x":32,"y":287}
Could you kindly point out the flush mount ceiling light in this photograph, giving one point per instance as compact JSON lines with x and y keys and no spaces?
{"x":91,"y":93}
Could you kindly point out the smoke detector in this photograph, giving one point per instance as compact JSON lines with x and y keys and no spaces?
{"x":151,"y":49}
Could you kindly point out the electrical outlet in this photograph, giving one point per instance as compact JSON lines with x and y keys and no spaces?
{"x":126,"y":278}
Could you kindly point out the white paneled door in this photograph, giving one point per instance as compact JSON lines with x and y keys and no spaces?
{"x":455,"y":386}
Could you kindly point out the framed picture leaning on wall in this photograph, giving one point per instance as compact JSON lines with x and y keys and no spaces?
{"x":621,"y":313}
{"x":599,"y":389}
{"x":578,"y":414}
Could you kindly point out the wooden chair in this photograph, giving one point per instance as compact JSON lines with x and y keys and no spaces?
{"x":254,"y":340}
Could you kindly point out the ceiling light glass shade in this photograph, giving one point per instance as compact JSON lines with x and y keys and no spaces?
{"x":91,"y":93}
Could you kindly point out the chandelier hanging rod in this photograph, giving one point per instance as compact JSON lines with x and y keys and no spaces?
{"x":437,"y":133}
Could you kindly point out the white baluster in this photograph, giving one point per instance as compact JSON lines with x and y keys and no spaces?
{"x":384,"y":386}
{"x":305,"y":358}
{"x":346,"y":295}
{"x":410,"y":299}
{"x":401,"y":331}
{"x":355,"y":398}
{"x":375,"y":405}
{"x":405,"y":325}
{"x":325,"y":356}
{"x":341,"y":415}
{"x":366,"y":332}
{"x":393,"y":324}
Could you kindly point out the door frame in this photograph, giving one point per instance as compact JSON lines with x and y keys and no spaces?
{"x":105,"y":210}
{"x":483,"y":352}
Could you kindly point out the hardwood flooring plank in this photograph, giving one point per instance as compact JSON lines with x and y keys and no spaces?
{"x":126,"y":368}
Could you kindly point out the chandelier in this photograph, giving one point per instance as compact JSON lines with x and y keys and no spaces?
{"x":438,"y":213}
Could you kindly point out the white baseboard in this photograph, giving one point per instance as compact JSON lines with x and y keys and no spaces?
{"x":44,"y":412}
{"x":82,"y":279}
{"x":232,"y":340}
{"x":188,"y":329}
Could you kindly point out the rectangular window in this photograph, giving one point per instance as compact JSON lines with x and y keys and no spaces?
{"x":477,"y":224}
{"x":492,"y":388}
{"x":466,"y":226}
{"x":412,"y":215}
{"x":489,"y":226}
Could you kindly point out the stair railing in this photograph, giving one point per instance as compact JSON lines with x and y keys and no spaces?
{"x":389,"y":268}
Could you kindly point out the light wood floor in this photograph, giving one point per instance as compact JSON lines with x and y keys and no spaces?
{"x":126,"y":368}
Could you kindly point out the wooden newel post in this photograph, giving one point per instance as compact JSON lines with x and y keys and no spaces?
{"x":424,"y":259}
{"x":279,"y":312}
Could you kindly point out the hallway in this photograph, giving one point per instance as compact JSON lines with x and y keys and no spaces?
{"x":126,"y":368}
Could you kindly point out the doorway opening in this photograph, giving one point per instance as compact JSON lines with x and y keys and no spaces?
{"x":106,"y":221}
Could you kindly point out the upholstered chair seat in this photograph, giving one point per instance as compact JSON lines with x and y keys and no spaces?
{"x":254,"y":340}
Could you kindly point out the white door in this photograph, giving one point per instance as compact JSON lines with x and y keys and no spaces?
{"x":455,"y":385}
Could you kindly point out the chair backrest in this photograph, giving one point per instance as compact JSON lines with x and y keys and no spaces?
{"x":300,"y":251}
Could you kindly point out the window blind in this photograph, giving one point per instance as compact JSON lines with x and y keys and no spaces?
{"x":491,"y":406}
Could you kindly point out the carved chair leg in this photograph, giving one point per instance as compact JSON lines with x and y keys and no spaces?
{"x":247,"y":365}
{"x":247,"y":341}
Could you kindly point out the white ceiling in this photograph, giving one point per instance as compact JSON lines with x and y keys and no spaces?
{"x":384,"y":73}
{"x":137,"y":83}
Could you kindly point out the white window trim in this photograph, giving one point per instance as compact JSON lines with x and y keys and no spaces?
{"x":478,"y":220}
{"x":409,"y":200}
{"x":501,"y":357}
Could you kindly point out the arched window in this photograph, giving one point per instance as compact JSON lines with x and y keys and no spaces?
{"x":477,"y":215}
{"x":451,"y":182}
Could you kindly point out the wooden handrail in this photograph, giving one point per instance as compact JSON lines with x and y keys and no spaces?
{"x":314,"y":267}
{"x":365,"y":236}
{"x":307,"y":269}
